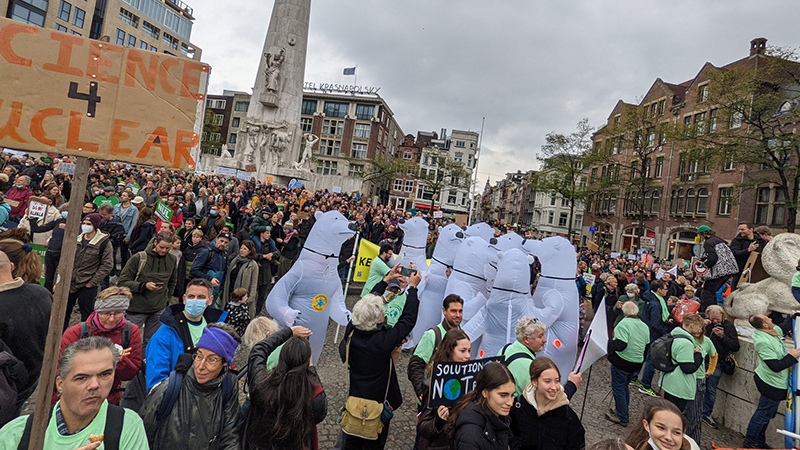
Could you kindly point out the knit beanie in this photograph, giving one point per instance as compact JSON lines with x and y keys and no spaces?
{"x":112,"y":303}
{"x":219,"y":342}
{"x":95,"y":218}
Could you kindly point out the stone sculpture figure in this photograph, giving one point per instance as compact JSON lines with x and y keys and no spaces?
{"x":279,"y":142}
{"x":774,"y":293}
{"x":308,"y":149}
{"x":273,"y":69}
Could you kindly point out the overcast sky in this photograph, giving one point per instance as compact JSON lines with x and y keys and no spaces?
{"x":529,"y":67}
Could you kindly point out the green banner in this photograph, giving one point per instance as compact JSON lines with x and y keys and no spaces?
{"x":40,"y":249}
{"x":163,"y":211}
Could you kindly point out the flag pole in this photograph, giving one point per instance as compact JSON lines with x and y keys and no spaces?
{"x":347,"y":284}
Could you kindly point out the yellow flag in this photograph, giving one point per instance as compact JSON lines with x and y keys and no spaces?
{"x":367,"y":251}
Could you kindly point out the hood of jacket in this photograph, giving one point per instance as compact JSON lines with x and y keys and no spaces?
{"x":211,"y":315}
{"x":98,"y":237}
{"x":158,"y":263}
{"x":529,"y":394}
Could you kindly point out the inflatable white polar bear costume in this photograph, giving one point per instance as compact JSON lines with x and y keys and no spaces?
{"x":434,"y":282}
{"x":311,"y":291}
{"x":415,"y":237}
{"x":509,"y":300}
{"x":555,"y":301}
{"x":482,"y":230}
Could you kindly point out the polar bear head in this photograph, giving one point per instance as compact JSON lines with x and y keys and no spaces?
{"x":530,"y":246}
{"x":482,"y":230}
{"x":476,"y":257}
{"x":558,"y":257}
{"x":329,"y":232}
{"x":509,"y":241}
{"x":447,"y":244}
{"x":513,"y":272}
{"x":415,"y":232}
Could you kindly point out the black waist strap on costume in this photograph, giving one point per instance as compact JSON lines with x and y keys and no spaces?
{"x":413,"y":246}
{"x":321,"y":254}
{"x":558,"y":278}
{"x":469,"y":274}
{"x":509,"y":290}
{"x":446,"y":265}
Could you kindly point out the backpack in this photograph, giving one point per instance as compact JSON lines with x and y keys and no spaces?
{"x":174,"y":389}
{"x":126,"y":333}
{"x":13,"y":377}
{"x":115,"y":420}
{"x":516,"y":356}
{"x":661,"y":352}
{"x":142,"y":262}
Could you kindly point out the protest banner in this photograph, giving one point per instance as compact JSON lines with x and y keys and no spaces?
{"x":589,"y":278}
{"x":163,"y":211}
{"x":367,"y":251}
{"x":243,"y":175}
{"x":336,"y":189}
{"x":437,"y":214}
{"x":37,"y":208}
{"x":451,"y":380}
{"x":68,"y":94}
{"x":226,"y":171}
{"x":595,"y":343}
{"x":65,"y":167}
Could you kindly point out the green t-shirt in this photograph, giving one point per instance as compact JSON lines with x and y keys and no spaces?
{"x":427,"y":344}
{"x":768,"y":348}
{"x":133,"y":436}
{"x":272,"y":359}
{"x":520,"y":367}
{"x":377,"y":272}
{"x":636,"y":334}
{"x":101,"y":199}
{"x":796,"y":279}
{"x":196,"y":330}
{"x":394,"y":309}
{"x":677,"y":383}
{"x":706,"y":349}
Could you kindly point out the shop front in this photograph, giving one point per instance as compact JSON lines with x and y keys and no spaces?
{"x":631,"y":237}
{"x":682,"y":244}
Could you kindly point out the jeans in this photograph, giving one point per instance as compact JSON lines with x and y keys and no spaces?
{"x":256,"y":240}
{"x":622,"y":394}
{"x":85,"y":299}
{"x":149,"y":323}
{"x":648,"y":372}
{"x":711,"y":391}
{"x":679,"y":402}
{"x":756,"y":436}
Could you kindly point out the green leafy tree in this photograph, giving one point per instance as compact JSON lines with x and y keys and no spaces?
{"x":207,"y":145}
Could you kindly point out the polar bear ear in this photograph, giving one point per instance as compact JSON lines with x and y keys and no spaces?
{"x":500,"y":256}
{"x":531,"y":259}
{"x":318,"y":215}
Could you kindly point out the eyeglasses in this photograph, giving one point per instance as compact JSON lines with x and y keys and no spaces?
{"x":210,"y":360}
{"x":111,"y":313}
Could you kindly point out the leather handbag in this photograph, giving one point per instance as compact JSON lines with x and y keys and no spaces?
{"x":362,"y":417}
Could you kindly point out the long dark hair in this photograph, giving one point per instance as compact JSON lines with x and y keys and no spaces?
{"x":445,"y":350}
{"x":280,"y":401}
{"x":639,"y":436}
{"x":144,"y":215}
{"x":491,"y":377}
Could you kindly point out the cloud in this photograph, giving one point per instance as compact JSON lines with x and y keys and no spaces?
{"x":529,"y":67}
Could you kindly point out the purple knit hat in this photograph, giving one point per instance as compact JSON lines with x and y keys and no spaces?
{"x":219,"y":342}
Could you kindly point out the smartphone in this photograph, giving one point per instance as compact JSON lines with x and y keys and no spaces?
{"x":407,"y":271}
{"x":159,"y":285}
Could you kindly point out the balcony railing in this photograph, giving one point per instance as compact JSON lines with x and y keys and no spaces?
{"x":182,"y":6}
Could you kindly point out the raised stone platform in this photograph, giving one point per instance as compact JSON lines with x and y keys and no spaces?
{"x":737,"y":396}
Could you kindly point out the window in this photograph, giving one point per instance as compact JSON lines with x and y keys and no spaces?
{"x":654,"y":207}
{"x":771,"y":206}
{"x":762,"y":205}
{"x":725,"y":200}
{"x":736,"y":119}
{"x":60,"y":27}
{"x":153,"y":48}
{"x":365,"y":112}
{"x":552,"y":199}
{"x":661,"y":107}
{"x":213,"y":137}
{"x":615,"y":145}
{"x":328,"y":167}
{"x":143,"y":45}
{"x":409,"y":186}
{"x":330,"y":147}
{"x":398,"y":184}
{"x":236,"y":122}
{"x":691,"y":201}
{"x":64,"y":11}
{"x":333,"y":109}
{"x":130,"y":18}
{"x":562,"y":219}
{"x":305,"y":124}
{"x":659,"y":167}
{"x":461,"y":144}
{"x":150,"y":29}
{"x":673,"y":203}
{"x":75,"y":33}
{"x":408,"y":155}
{"x":702,"y":201}
{"x":564,"y":203}
{"x":359,"y":151}
{"x":700,"y":123}
{"x":169,"y":40}
{"x":30,"y":14}
{"x":712,"y":125}
{"x":216,"y":103}
{"x":687,"y":123}
{"x":356,"y":170}
{"x":702,"y":93}
{"x":459,"y":157}
{"x":451,"y":197}
{"x":729,"y":163}
{"x":217,"y":120}
{"x":131,"y":41}
{"x":651,"y":136}
{"x":333,"y":127}
{"x":362,"y":130}
{"x":550,"y":216}
{"x":309,"y":107}
{"x":681,"y":201}
{"x":241,"y":106}
{"x":120,"y":37}
{"x":232,"y":138}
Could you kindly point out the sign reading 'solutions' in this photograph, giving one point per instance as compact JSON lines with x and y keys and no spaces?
{"x":451,"y":380}
{"x":68,"y":94}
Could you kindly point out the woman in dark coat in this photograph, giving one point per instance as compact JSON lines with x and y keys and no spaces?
{"x":143,"y":231}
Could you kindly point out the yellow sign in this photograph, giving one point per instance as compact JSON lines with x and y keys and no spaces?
{"x":367,"y":251}
{"x":270,"y":179}
{"x":68,"y":94}
{"x":320,"y":302}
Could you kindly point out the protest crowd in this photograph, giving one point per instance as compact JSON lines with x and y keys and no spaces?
{"x":178,"y":344}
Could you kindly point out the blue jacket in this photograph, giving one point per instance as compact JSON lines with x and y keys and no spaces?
{"x":128,"y":218}
{"x":166,"y":344}
{"x":5,"y":210}
{"x":210,"y":258}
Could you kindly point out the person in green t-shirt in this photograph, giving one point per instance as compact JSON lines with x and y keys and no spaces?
{"x":519,"y":355}
{"x":695,"y":325}
{"x":626,"y":355}
{"x":394,"y":300}
{"x":378,"y":268}
{"x":772,"y":375}
{"x":796,"y":283}
{"x":680,"y":385}
{"x":85,"y":378}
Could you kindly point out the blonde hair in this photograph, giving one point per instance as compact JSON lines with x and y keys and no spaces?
{"x":259,"y":329}
{"x":114,"y":290}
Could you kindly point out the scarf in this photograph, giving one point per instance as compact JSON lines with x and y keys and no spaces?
{"x":289,"y":236}
{"x":242,"y":262}
{"x":96,"y":323}
{"x":664,"y":310}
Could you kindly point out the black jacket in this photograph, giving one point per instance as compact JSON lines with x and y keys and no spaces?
{"x":739,"y":246}
{"x":24,"y":322}
{"x":728,"y":343}
{"x":557,"y":429}
{"x":476,"y":430}
{"x":56,"y":239}
{"x":141,"y":235}
{"x":371,"y":353}
{"x":652,"y":316}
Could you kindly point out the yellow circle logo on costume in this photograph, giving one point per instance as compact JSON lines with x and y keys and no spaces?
{"x":320,"y":302}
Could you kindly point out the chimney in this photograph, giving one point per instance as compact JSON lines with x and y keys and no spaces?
{"x":758,"y":46}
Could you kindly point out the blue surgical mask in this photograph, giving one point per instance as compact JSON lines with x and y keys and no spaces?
{"x":212,"y":212}
{"x":195,"y":307}
{"x":64,"y":214}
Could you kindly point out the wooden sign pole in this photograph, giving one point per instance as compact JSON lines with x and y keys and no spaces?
{"x":68,"y":249}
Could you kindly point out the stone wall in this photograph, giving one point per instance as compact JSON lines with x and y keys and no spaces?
{"x":737,"y":396}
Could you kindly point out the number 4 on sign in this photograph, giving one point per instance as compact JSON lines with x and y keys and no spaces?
{"x":91,"y":98}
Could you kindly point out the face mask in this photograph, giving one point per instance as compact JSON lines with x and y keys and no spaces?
{"x":86,"y":229}
{"x":195,"y":307}
{"x":212,"y":212}
{"x":64,"y":214}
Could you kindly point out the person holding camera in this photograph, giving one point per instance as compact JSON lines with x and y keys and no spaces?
{"x":725,"y":339}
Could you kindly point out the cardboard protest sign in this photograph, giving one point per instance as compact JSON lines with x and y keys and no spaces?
{"x":243,"y":175}
{"x":37,"y":208}
{"x":72,"y":95}
{"x":65,"y":167}
{"x":163,"y":211}
{"x":367,"y":251}
{"x":451,"y":380}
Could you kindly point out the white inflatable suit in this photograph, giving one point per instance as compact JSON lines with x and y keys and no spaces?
{"x":504,"y":242}
{"x":415,"y":237}
{"x":509,"y":300}
{"x":482,"y":230}
{"x":434,"y":281}
{"x":311,"y":291}
{"x":555,"y":301}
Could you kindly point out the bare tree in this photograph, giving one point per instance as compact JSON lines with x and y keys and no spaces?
{"x":447,"y":173}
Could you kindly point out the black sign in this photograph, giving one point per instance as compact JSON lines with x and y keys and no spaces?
{"x":451,"y":380}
